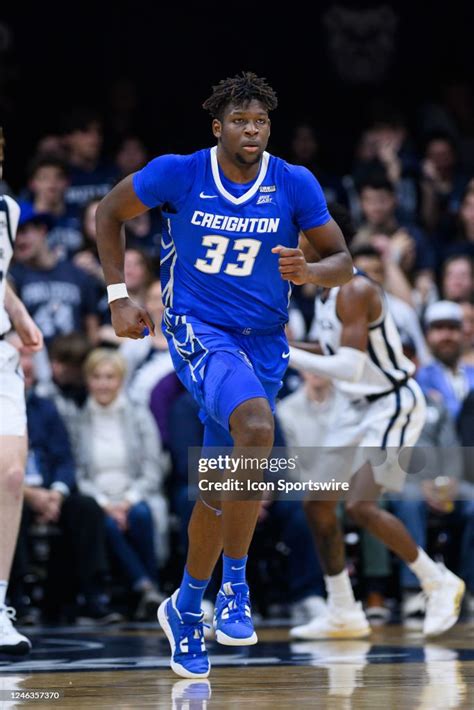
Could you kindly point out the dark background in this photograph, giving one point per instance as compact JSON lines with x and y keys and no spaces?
{"x":163,"y":61}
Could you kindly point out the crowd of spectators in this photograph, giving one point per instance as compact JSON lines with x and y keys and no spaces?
{"x":110,"y":424}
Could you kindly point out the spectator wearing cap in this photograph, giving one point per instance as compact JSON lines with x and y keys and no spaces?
{"x":447,"y":379}
{"x":48,"y":181}
{"x":61,"y":297}
{"x":90,"y":176}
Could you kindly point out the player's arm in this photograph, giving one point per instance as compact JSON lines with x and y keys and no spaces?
{"x":334,"y":266}
{"x":354,"y":306}
{"x":30,"y":335}
{"x":118,"y":206}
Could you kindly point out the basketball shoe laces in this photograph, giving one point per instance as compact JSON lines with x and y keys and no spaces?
{"x":193,"y":631}
{"x":236,"y":606}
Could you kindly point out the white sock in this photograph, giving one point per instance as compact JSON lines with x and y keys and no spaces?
{"x":3,"y":591}
{"x":339,"y":589}
{"x":425,"y":569}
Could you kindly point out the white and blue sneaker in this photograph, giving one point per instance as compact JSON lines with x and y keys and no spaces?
{"x":233,"y":616}
{"x":185,"y":632}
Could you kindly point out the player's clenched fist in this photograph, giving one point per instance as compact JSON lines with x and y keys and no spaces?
{"x":129,"y":320}
{"x":292,"y":265}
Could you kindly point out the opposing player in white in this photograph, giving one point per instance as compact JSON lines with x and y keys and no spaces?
{"x":13,"y":440}
{"x":385,"y":409}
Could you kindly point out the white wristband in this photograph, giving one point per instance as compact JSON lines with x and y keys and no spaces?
{"x":115,"y":291}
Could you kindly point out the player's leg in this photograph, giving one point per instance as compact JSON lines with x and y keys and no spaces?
{"x":204,"y":532}
{"x":252,"y":429}
{"x":212,"y":367}
{"x":443,"y":589}
{"x":362,"y":506}
{"x":344,"y":617}
{"x":12,"y":466}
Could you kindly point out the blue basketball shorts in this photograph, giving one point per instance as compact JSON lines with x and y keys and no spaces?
{"x":223,"y":368}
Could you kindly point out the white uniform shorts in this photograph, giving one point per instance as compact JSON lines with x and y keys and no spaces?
{"x":12,"y":392}
{"x":376,"y":432}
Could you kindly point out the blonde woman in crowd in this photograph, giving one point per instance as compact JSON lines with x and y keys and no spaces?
{"x":120,"y":463}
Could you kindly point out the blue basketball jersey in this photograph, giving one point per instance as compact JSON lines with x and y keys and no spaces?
{"x":216,"y":259}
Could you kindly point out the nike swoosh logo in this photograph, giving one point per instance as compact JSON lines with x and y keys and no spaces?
{"x":286,"y":355}
{"x":236,"y":568}
{"x":194,"y":587}
{"x":207,"y":197}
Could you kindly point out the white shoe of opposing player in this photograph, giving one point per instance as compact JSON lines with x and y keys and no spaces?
{"x":443,"y":606}
{"x":11,"y":642}
{"x":340,"y":623}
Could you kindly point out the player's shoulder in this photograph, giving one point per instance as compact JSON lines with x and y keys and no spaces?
{"x":176,"y":161}
{"x":291,"y":171}
{"x":360,"y":287}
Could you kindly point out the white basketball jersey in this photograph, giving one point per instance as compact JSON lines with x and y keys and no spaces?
{"x":9,"y":216}
{"x":386,"y":365}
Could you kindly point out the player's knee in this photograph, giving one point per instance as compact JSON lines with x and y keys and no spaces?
{"x":322,"y":516}
{"x":255,"y":431}
{"x":11,"y":480}
{"x":251,"y":424}
{"x":361,"y":512}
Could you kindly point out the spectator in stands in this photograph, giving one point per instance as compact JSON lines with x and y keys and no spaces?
{"x":48,"y":181}
{"x":384,"y":272}
{"x":51,"y":144}
{"x":88,"y":258}
{"x":66,"y":385}
{"x":463,"y":242}
{"x":131,"y":155}
{"x":89,"y":175}
{"x":457,"y":279}
{"x":78,"y":563}
{"x":467,"y":333}
{"x":408,"y":245}
{"x":143,"y":233}
{"x":304,"y":150}
{"x":446,"y":379}
{"x":61,"y":297}
{"x":119,"y":462}
{"x":442,"y":185}
{"x":385,"y":150}
{"x":442,"y":492}
{"x":138,"y":274}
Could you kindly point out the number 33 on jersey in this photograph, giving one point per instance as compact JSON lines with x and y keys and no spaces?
{"x":216,"y":260}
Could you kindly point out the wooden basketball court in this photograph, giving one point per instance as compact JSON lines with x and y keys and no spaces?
{"x":128,"y":668}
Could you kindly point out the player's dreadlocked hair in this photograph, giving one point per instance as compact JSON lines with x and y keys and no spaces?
{"x":239,"y":90}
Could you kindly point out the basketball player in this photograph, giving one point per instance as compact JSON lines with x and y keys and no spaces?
{"x":385,"y":409}
{"x":13,"y":442}
{"x":231,"y":250}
